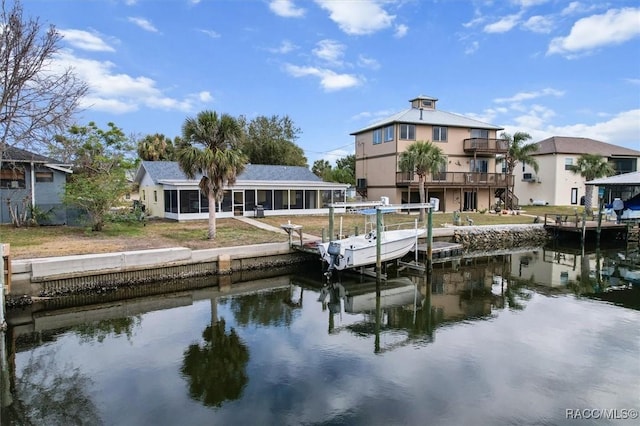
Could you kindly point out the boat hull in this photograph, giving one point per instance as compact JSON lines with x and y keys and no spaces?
{"x":361,"y":250}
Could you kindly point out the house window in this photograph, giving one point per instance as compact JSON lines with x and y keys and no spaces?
{"x":170,"y":201}
{"x":189,"y":201}
{"x":479,"y":166}
{"x":427,"y":103}
{"x":377,"y":136}
{"x":574,"y":195}
{"x":144,"y":196}
{"x":439,"y":134}
{"x":568,"y":163}
{"x":480,"y":133}
{"x":388,"y":133}
{"x":44,"y":176}
{"x":12,"y":177}
{"x":155,"y":196}
{"x":408,"y":132}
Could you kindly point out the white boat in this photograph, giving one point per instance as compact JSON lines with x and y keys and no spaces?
{"x":361,"y":250}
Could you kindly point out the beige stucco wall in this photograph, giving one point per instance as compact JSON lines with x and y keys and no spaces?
{"x":553,"y":183}
{"x":378,"y":164}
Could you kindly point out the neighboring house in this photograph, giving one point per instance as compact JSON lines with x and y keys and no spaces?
{"x":166,"y":192}
{"x":29,"y":179}
{"x":555,"y":183}
{"x":471,"y":147}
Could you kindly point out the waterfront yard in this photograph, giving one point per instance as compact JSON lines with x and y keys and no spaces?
{"x":46,"y":241}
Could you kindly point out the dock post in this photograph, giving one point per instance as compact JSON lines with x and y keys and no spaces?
{"x":430,"y":240}
{"x":378,"y":244}
{"x":584,"y":227}
{"x":331,"y":212}
{"x":599,"y":227}
{"x":2,"y":321}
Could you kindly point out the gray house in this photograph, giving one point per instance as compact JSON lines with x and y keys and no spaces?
{"x":270,"y":190}
{"x":29,"y":179}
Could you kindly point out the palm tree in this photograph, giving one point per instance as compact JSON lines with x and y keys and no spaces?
{"x":591,"y":166}
{"x":156,"y":147}
{"x":518,"y":152}
{"x":422,"y":158}
{"x":210,"y":147}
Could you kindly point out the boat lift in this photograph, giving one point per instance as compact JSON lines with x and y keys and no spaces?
{"x":380,"y":208}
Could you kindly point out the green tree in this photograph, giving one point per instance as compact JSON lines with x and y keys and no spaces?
{"x":591,"y":166}
{"x":518,"y":152}
{"x":422,"y":158}
{"x":156,"y":147}
{"x":271,"y":140}
{"x":211,"y":147}
{"x":321,"y":168}
{"x":100,"y":166}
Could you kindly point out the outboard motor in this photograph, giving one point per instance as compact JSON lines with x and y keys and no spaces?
{"x":334,"y":255}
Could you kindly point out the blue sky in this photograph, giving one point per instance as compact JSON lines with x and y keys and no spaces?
{"x":546,"y":67}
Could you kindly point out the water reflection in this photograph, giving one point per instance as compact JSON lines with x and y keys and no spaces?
{"x":453,"y":347}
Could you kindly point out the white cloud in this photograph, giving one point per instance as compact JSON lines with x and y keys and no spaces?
{"x":529,"y":3}
{"x":329,"y":80}
{"x":503,"y":25}
{"x":357,"y":17}
{"x":614,"y":27}
{"x":143,"y":23}
{"x":576,"y":7}
{"x":366,"y":62}
{"x":539,"y":24}
{"x":330,"y":51}
{"x":286,"y":9}
{"x":285,"y":47}
{"x":523,"y":96}
{"x":401,"y":31}
{"x":473,"y":47}
{"x":119,"y":93}
{"x":115,"y":106}
{"x":205,"y":96}
{"x":85,"y":40}
{"x":211,"y":33}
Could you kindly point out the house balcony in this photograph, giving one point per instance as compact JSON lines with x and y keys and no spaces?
{"x":456,"y":179}
{"x":483,"y":146}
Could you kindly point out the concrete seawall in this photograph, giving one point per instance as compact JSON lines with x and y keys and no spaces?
{"x":57,"y":276}
{"x":73,"y":274}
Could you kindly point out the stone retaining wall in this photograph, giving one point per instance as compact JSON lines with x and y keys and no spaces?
{"x":498,"y":237}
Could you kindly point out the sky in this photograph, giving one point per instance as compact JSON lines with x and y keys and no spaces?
{"x":545,"y":67}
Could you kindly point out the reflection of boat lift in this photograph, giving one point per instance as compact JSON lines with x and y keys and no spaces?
{"x":360,"y":299}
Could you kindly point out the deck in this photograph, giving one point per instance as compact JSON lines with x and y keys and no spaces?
{"x":570,"y":226}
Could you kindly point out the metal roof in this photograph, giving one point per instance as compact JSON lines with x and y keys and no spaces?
{"x":626,"y":179}
{"x":431,"y":117}
{"x":170,"y":171}
{"x":571,"y":145}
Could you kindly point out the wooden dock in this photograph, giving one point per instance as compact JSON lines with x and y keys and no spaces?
{"x":577,"y":227}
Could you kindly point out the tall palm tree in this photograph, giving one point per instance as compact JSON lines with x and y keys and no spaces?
{"x":518,"y":152}
{"x":209,"y":147}
{"x":591,"y":166}
{"x":421,"y":158}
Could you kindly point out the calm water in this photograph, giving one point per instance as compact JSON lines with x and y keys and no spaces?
{"x":511,"y":339}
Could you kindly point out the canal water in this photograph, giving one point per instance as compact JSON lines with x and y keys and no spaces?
{"x":537,"y":337}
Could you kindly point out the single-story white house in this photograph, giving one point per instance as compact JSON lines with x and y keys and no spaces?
{"x":166,"y":192}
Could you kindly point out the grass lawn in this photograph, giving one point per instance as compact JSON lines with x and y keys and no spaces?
{"x":47,"y":241}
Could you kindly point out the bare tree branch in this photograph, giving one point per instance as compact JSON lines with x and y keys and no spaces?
{"x":38,"y":97}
